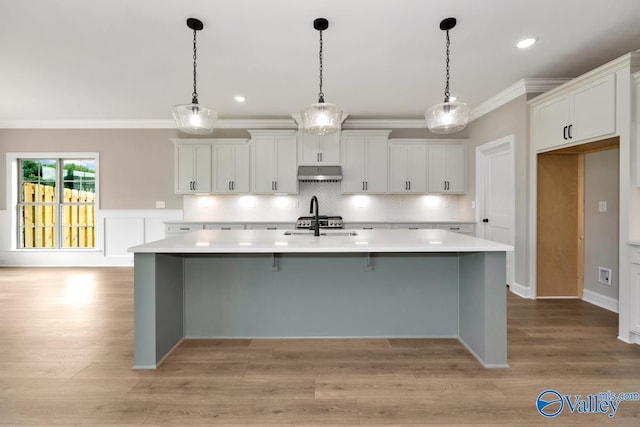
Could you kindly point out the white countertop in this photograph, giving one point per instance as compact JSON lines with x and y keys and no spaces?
{"x":275,"y":241}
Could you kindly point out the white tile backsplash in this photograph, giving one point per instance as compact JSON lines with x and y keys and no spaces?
{"x":351,"y":207}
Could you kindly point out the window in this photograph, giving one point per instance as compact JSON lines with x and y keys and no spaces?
{"x":56,"y":203}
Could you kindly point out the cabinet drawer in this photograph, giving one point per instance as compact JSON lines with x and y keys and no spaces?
{"x":457,"y":228}
{"x":635,"y":255}
{"x":224,"y":226}
{"x":408,"y":226}
{"x":183,"y":228}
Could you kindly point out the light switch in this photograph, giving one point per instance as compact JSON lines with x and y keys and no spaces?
{"x":602,"y":206}
{"x":160,"y":204}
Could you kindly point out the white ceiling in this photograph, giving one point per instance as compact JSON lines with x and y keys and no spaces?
{"x":131,"y":59}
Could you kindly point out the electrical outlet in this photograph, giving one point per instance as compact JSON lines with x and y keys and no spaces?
{"x":604,"y":275}
{"x":160,"y":204}
{"x":602,"y":206}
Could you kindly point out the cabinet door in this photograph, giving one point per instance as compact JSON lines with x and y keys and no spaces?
{"x":594,"y":109}
{"x":376,"y":164}
{"x":398,"y":168}
{"x":549,"y":122}
{"x":635,"y":297}
{"x":353,"y":171}
{"x":224,"y":164}
{"x":264,"y":164}
{"x":241,"y":169}
{"x":447,"y":166}
{"x":456,"y":169}
{"x":286,"y":167}
{"x":437,"y":168}
{"x":184,"y":169}
{"x":309,"y":147}
{"x":193,"y":168}
{"x":330,"y":149}
{"x":417,"y":168}
{"x":202,"y":175}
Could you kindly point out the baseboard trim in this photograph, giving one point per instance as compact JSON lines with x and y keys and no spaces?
{"x":521,"y":290}
{"x":600,"y":300}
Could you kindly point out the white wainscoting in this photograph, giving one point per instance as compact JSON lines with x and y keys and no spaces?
{"x":117,"y":231}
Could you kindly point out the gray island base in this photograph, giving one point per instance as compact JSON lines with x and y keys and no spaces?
{"x":320,"y":295}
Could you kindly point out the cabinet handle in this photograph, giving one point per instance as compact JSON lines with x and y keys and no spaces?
{"x":406,"y":187}
{"x":367,"y":228}
{"x":233,"y":185}
{"x":485,"y":219}
{"x":362,"y":185}
{"x":184,"y":228}
{"x":454,"y":228}
{"x":272,"y":228}
{"x":569,"y":131}
{"x":564,"y":132}
{"x":229,"y":185}
{"x":409,"y":185}
{"x":366,"y":185}
{"x":225,"y":228}
{"x":272,"y":186}
{"x":195,"y":185}
{"x":321,"y":159}
{"x":275,"y":184}
{"x":317,"y":157}
{"x":413,"y":228}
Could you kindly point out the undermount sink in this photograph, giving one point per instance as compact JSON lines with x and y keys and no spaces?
{"x":322,"y":233}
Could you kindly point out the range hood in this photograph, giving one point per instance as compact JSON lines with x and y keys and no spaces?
{"x":319,"y":173}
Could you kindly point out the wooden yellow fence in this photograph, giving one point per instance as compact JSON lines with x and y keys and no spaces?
{"x":39,"y":221}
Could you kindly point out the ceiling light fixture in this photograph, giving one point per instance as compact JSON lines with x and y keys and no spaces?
{"x":321,"y":118}
{"x":449,"y":116}
{"x":526,"y":42}
{"x":240,"y":98}
{"x":194,"y":118}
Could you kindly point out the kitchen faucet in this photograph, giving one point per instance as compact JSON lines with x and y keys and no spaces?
{"x":316,"y":224}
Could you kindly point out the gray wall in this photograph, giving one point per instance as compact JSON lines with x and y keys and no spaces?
{"x":509,"y":119}
{"x":136,"y":165}
{"x":601,"y":228}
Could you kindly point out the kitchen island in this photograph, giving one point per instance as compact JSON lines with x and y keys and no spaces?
{"x":363,"y":284}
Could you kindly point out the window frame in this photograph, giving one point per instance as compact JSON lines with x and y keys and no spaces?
{"x":15,"y":180}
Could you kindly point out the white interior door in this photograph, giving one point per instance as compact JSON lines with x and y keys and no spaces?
{"x":496,"y":195}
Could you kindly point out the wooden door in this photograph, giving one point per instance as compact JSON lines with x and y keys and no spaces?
{"x":560,"y":231}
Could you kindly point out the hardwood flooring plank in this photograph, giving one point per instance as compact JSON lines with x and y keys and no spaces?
{"x":59,"y":388}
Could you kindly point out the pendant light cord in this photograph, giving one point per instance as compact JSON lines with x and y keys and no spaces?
{"x":321,"y":94}
{"x":194,"y":95}
{"x":446,"y":88}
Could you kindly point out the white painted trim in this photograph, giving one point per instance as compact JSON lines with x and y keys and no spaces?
{"x":521,"y":290}
{"x":385,"y":124}
{"x":517,"y":89}
{"x":485,"y":365}
{"x":600,"y":300}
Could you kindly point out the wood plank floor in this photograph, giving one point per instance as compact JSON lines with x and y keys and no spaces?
{"x":66,"y":340}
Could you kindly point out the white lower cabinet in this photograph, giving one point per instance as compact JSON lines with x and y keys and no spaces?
{"x":224,"y":226}
{"x":635,"y":289}
{"x":409,"y":226}
{"x":367,"y":226}
{"x":273,"y":226}
{"x":458,"y":228}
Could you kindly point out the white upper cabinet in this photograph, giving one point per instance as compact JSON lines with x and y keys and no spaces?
{"x":192,"y":167}
{"x":231,"y":167}
{"x":407,"y":166}
{"x":274,"y":162}
{"x":585,"y":112}
{"x":364,"y":161}
{"x":318,"y":149}
{"x":447,"y":168}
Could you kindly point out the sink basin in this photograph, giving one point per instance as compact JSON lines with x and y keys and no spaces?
{"x":322,"y":233}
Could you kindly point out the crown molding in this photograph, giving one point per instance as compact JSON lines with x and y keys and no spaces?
{"x":521,"y":87}
{"x":384,"y":124}
{"x":144,"y":124}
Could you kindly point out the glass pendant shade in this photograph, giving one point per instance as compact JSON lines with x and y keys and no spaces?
{"x":448,"y":117}
{"x":321,"y":118}
{"x":194,"y":118}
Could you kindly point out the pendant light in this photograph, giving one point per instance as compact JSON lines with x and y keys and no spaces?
{"x":450,"y":116}
{"x":194,"y":118}
{"x":321,"y":118}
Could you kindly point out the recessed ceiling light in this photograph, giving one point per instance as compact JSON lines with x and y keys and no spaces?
{"x":240,"y":98}
{"x":526,"y":42}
